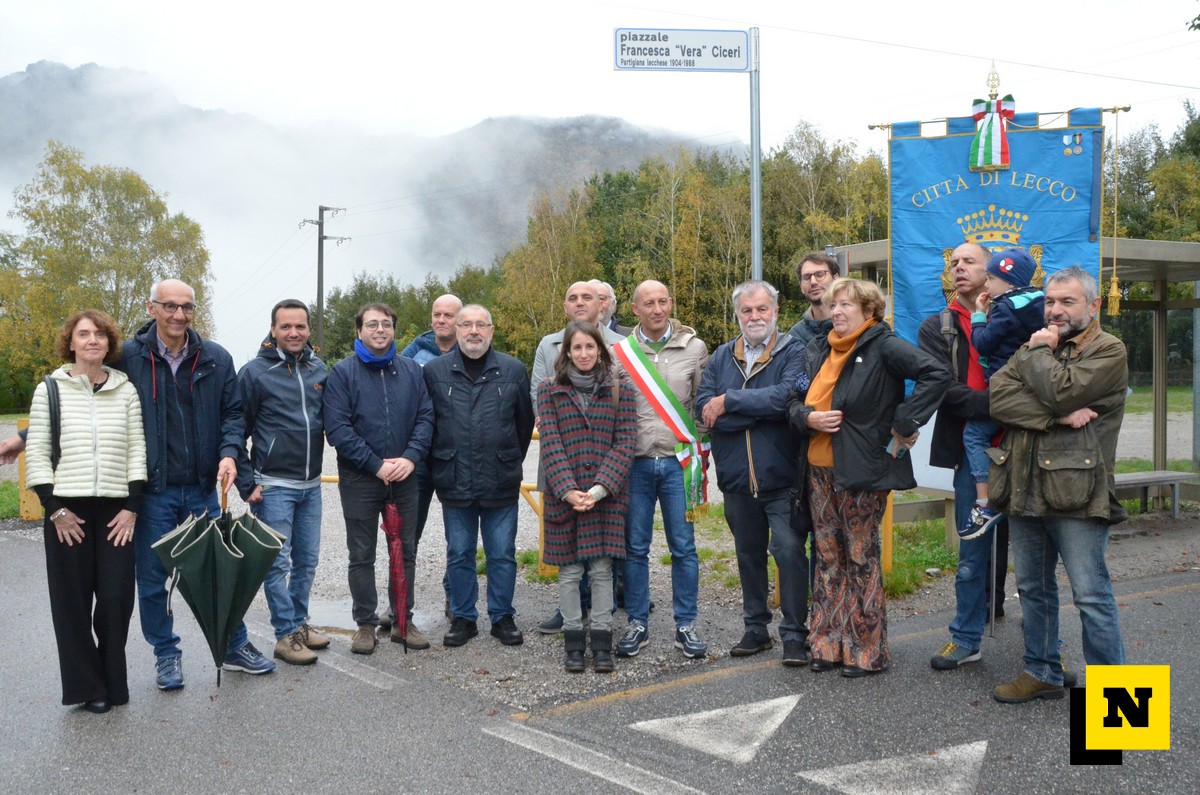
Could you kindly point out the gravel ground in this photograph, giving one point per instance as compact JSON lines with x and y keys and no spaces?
{"x":531,"y":675}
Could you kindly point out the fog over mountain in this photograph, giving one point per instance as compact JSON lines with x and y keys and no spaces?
{"x":413,"y":205}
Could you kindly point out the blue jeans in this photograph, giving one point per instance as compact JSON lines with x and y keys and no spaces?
{"x":761,"y":525}
{"x":296,"y":515}
{"x":161,"y":513}
{"x":659,"y":480}
{"x":465,"y":524}
{"x":974,"y":567}
{"x":1038,"y":543}
{"x":977,"y":438}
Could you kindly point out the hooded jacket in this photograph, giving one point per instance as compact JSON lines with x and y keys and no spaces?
{"x":870,"y":393}
{"x":282,"y":400}
{"x":424,"y":349}
{"x":752,"y":445}
{"x":807,"y":329}
{"x":482,"y":428}
{"x":217,"y":423}
{"x":961,"y":402}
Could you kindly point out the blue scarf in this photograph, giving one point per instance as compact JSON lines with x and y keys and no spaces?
{"x":371,"y":360}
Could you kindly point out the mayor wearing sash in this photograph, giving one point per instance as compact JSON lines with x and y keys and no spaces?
{"x":664,"y":360}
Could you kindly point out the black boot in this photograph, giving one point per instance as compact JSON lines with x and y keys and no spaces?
{"x":602,"y":661}
{"x":576,"y":642}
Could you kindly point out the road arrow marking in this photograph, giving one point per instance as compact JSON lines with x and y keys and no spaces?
{"x":731,"y":733}
{"x":945,"y":771}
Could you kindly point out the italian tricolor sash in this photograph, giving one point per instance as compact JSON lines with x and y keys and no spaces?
{"x":692,"y":449}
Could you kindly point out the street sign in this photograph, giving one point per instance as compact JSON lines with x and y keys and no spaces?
{"x":668,"y":50}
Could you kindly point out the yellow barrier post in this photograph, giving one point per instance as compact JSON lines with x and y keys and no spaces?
{"x":885,"y":532}
{"x":30,"y":505}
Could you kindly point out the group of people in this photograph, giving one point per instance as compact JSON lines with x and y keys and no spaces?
{"x":808,"y":431}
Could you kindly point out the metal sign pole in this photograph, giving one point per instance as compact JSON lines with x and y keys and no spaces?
{"x":755,"y":164}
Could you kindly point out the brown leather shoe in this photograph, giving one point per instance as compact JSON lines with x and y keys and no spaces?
{"x":291,"y":650}
{"x":312,"y":639}
{"x":415,"y":639}
{"x":364,"y":640}
{"x":1025,"y":688}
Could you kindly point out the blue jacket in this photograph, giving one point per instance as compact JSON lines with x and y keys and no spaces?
{"x":1008,"y":325}
{"x":282,"y":398}
{"x":482,"y":428}
{"x":373,"y":414}
{"x":752,"y":445}
{"x":423,"y":349}
{"x":217,"y":421}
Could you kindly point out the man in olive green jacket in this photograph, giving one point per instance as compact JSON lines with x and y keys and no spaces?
{"x":1061,"y":400}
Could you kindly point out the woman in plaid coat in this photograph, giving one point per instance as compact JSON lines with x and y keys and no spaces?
{"x":587,"y":428}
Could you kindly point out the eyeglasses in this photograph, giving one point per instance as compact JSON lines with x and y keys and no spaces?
{"x":474,"y":324}
{"x":815,"y":276}
{"x":171,"y":308}
{"x":374,"y":325}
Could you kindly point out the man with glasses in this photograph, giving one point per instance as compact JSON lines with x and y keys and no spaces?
{"x":379,"y":419}
{"x":816,"y":272}
{"x":482,"y":429}
{"x":192,"y":416}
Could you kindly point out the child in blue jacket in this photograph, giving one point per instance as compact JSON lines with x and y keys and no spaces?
{"x":1017,"y":309}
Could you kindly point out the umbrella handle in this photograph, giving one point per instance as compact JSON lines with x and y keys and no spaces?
{"x":224,"y":500}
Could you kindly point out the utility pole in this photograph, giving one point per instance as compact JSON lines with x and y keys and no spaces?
{"x":321,"y":238}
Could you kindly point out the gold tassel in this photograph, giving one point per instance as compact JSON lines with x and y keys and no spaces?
{"x":1114,"y":297}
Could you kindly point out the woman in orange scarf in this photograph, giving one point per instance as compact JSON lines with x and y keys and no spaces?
{"x":860,"y":428}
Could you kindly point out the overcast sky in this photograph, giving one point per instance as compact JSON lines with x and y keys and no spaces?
{"x":436,"y":67}
{"x":433,"y":68}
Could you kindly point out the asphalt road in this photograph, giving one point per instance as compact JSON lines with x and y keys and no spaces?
{"x":373,"y":724}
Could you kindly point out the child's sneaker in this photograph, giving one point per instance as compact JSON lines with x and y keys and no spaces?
{"x":981,"y":520}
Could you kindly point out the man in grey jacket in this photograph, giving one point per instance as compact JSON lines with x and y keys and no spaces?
{"x":816,"y":272}
{"x":1061,"y":400}
{"x":665,"y":366}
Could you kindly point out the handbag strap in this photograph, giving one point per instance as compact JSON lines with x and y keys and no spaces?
{"x":55,"y":421}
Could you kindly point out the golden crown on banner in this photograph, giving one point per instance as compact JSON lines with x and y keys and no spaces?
{"x":994,"y":228}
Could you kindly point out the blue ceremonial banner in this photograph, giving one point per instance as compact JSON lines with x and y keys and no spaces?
{"x":1047,"y":202}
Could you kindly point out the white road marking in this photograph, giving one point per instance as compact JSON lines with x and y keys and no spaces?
{"x":367,"y":674}
{"x":731,"y":733}
{"x":945,"y":771}
{"x":588,"y":761}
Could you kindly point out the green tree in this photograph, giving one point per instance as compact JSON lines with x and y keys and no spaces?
{"x":96,"y":237}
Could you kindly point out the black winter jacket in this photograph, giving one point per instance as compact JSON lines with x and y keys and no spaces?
{"x":752,"y":446}
{"x":282,"y":399}
{"x":217,"y":423}
{"x":961,"y":402}
{"x":482,"y":428}
{"x":870,"y":393}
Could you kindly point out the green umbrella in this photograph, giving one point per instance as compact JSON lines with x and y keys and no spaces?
{"x":218,"y":564}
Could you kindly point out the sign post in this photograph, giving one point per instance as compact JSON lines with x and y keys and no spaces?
{"x":672,"y":50}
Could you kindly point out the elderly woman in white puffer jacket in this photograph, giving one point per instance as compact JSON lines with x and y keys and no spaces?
{"x":91,"y":495}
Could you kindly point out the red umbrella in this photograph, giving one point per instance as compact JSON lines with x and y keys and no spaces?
{"x":398,"y":582}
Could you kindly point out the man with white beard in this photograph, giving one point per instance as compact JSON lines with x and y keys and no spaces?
{"x":743,"y":401}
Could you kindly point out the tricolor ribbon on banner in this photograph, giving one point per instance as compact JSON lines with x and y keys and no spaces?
{"x":989,"y":150}
{"x":692,"y":450}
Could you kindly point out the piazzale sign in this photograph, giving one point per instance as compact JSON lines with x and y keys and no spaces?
{"x":658,"y":49}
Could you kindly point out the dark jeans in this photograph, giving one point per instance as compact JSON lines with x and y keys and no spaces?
{"x":762,"y":525}
{"x":91,"y":640}
{"x":363,"y":497}
{"x":972,"y":588}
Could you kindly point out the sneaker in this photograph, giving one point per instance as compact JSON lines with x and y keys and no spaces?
{"x":168,"y":672}
{"x":416,"y":640}
{"x":506,"y":630}
{"x":312,"y":639}
{"x":364,"y":641}
{"x":248,"y":660}
{"x":952,"y":655}
{"x":461,"y":631}
{"x":291,"y":650}
{"x":751,"y":643}
{"x":552,"y":625}
{"x":636,"y":636}
{"x":1026,"y":688}
{"x":687,"y":641}
{"x":794,"y":654}
{"x":981,"y":520}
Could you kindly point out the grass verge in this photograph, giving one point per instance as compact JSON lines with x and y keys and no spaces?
{"x":10,"y":500}
{"x":917,"y":546}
